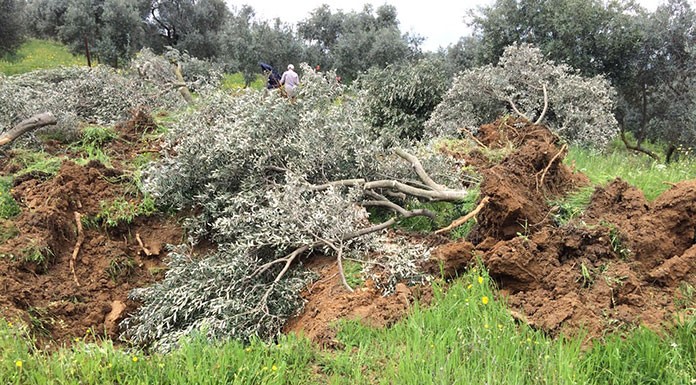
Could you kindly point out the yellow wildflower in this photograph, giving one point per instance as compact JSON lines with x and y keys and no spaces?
{"x":469,"y":287}
{"x":274,"y":368}
{"x":19,"y":364}
{"x":135,"y":358}
{"x":484,"y":300}
{"x":480,"y":279}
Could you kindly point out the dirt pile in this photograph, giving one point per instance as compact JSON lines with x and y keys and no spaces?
{"x":625,"y":262}
{"x":63,"y":269}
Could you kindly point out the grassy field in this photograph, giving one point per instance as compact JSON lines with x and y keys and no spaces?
{"x":39,"y":54}
{"x":466,"y":337}
{"x":641,"y":171}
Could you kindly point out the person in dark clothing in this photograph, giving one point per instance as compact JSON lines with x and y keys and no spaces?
{"x":272,"y":76}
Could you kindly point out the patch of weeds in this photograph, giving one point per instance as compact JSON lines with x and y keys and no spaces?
{"x":36,"y":161}
{"x":37,"y":254}
{"x":92,"y":141}
{"x":571,"y":206}
{"x":353,"y":271}
{"x":616,"y":240}
{"x":118,"y":211}
{"x":586,"y":275}
{"x":97,"y":136}
{"x":89,"y":222}
{"x":121,"y":210}
{"x":39,"y":321}
{"x":686,"y":296}
{"x":8,"y":206}
{"x":143,"y":159}
{"x":496,"y":155}
{"x":120,"y":268}
{"x":8,"y":230}
{"x":524,"y":234}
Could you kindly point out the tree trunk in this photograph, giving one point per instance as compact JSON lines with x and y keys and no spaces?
{"x":36,"y":121}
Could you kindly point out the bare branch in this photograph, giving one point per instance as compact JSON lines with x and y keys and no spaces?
{"x":546,"y":105}
{"x":449,"y":195}
{"x":26,"y":125}
{"x":345,"y":182}
{"x":420,"y":171}
{"x":514,"y":108}
{"x":546,"y":169}
{"x":465,"y":218}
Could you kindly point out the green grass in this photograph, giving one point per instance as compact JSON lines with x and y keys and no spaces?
{"x":8,"y":206}
{"x":36,"y":161}
{"x":651,"y":177}
{"x":39,"y":54}
{"x":235,"y":81}
{"x":467,"y":336}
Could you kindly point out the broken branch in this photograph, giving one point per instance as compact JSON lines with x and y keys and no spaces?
{"x":465,"y":218}
{"x":26,"y":125}
{"x":546,"y":105}
{"x":543,"y":174}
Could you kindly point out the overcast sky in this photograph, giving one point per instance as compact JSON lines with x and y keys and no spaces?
{"x":441,"y":22}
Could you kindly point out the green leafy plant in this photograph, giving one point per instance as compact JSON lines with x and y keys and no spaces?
{"x":8,"y":206}
{"x":37,"y":254}
{"x":121,"y":268}
{"x":116,"y":212}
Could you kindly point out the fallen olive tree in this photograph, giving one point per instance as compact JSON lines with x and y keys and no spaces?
{"x":525,"y":84}
{"x":273,"y":182}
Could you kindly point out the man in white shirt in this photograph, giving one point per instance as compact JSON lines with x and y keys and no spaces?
{"x":290,"y":80}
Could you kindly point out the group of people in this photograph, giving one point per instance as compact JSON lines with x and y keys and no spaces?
{"x":289,"y":80}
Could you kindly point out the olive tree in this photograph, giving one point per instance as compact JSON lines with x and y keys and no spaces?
{"x":272,"y":181}
{"x":524,"y":83}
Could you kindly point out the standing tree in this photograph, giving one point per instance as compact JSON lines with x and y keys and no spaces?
{"x":81,"y":23}
{"x":45,"y":17}
{"x":121,"y":35}
{"x":353,"y":42}
{"x":661,"y":104}
{"x":11,"y":25}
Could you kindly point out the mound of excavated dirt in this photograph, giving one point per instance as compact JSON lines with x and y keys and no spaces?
{"x":63,"y":278}
{"x":621,"y":264}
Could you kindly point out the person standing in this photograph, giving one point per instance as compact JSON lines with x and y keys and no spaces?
{"x":290,"y":80}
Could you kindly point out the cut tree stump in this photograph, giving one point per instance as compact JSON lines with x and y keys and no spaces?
{"x":36,"y":121}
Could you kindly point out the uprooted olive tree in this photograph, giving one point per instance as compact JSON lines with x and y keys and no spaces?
{"x":525,"y":84}
{"x":271,"y":181}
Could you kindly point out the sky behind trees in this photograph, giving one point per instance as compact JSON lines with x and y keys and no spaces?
{"x":441,"y":22}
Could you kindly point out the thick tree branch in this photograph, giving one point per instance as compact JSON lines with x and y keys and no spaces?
{"x":518,"y":112}
{"x":546,"y":105}
{"x":420,"y":171}
{"x":26,"y":125}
